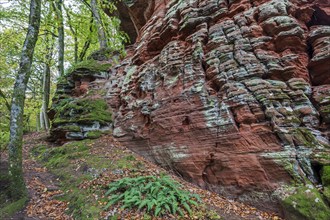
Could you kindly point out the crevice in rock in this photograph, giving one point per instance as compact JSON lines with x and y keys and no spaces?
{"x":319,"y":17}
{"x":204,"y":66}
{"x":317,"y":167}
{"x":208,"y":171}
{"x":186,"y":121}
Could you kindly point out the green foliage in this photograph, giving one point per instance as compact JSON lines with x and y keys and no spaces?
{"x":326,"y":193}
{"x":79,"y":30}
{"x":83,"y":29}
{"x":157,"y":195}
{"x":4,"y":138}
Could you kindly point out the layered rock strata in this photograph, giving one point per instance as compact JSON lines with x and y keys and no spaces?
{"x":78,"y":109}
{"x":233,"y":95}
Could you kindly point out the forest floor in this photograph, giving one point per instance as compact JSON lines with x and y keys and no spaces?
{"x":70,"y":181}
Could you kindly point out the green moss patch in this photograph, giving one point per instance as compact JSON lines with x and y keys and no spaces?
{"x":90,"y":65}
{"x":303,"y":136}
{"x":58,"y":157}
{"x":305,"y":203}
{"x":94,"y":134}
{"x":326,"y":193}
{"x":82,"y":111}
{"x":7,"y":206}
{"x":10,"y":208}
{"x":76,"y":164}
{"x":325,"y":175}
{"x":72,"y":128}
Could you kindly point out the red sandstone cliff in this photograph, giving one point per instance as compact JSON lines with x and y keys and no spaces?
{"x":234,"y":95}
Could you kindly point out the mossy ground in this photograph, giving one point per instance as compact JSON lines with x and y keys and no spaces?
{"x":75,"y":164}
{"x":70,"y":182}
{"x":7,"y":206}
{"x":85,"y":168}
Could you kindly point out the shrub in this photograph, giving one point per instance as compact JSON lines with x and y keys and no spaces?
{"x":157,"y":195}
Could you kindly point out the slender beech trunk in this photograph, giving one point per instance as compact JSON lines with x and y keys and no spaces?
{"x":17,"y":188}
{"x":98,"y":22}
{"x":44,"y":120}
{"x":60,"y":29}
{"x":45,"y":96}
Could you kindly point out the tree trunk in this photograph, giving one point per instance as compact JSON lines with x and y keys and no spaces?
{"x":98,"y":22}
{"x":17,"y":188}
{"x":45,"y":96}
{"x":44,"y":121}
{"x":60,"y":28}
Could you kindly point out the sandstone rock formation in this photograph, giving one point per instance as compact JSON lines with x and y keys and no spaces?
{"x":233,"y":95}
{"x":78,"y":108}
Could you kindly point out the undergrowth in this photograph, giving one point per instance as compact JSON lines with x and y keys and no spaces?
{"x":157,"y":195}
{"x":85,"y":169}
{"x":74,"y":164}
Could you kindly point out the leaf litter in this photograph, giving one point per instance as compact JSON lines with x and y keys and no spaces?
{"x":45,"y":191}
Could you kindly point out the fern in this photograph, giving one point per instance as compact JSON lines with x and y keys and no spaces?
{"x":157,"y":196}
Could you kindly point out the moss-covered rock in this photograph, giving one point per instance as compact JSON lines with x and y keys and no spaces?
{"x":73,"y":128}
{"x":305,"y":137}
{"x":92,"y":66}
{"x":326,"y":193}
{"x":305,"y":203}
{"x":93,"y":134}
{"x":105,"y":54}
{"x":325,"y":175}
{"x":82,"y":111}
{"x":80,"y":118}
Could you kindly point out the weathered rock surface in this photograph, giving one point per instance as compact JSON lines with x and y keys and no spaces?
{"x":79,"y":110}
{"x":231,"y":94}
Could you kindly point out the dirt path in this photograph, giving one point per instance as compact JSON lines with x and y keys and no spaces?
{"x":44,"y":187}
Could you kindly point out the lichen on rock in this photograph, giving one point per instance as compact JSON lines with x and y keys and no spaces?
{"x":232,"y":95}
{"x":78,"y":110}
{"x":304,"y":203}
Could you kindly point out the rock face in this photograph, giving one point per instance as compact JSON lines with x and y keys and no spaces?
{"x":78,"y":108}
{"x":233,"y":95}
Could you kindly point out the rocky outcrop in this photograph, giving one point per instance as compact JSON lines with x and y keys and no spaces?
{"x":233,"y":95}
{"x":79,"y":110}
